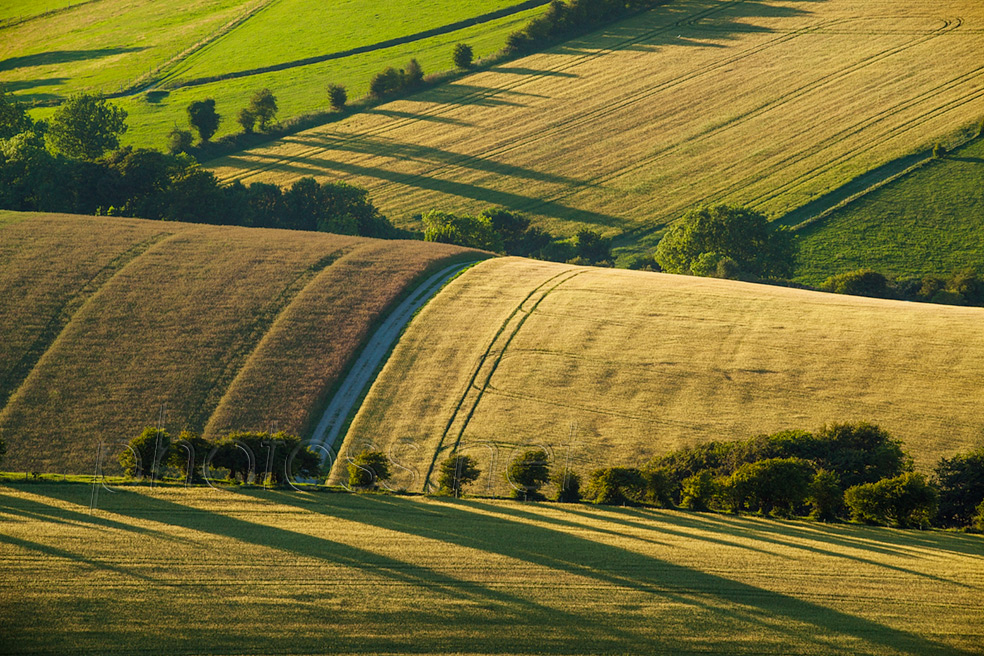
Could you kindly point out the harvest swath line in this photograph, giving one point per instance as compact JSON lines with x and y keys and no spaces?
{"x":481,"y":363}
{"x":60,"y":319}
{"x":771,"y":105}
{"x":440,"y":110}
{"x":860,"y":127}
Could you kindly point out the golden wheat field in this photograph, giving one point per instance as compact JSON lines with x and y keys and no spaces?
{"x":157,"y":570}
{"x":609,"y":367}
{"x":228,"y":328}
{"x":767,"y":103}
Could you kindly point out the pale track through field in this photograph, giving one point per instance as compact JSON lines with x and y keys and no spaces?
{"x":440,"y":110}
{"x":493,"y":355}
{"x":551,"y":132}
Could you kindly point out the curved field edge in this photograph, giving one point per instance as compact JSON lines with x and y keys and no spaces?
{"x":373,"y":574}
{"x":610,"y":367}
{"x":209,"y":321}
{"x":794,"y":100}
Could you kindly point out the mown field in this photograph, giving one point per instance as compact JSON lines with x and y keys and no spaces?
{"x":608,"y":367}
{"x":141,"y":46}
{"x":930,"y":221}
{"x":177,"y":570}
{"x":769,"y":103}
{"x":230,"y":328}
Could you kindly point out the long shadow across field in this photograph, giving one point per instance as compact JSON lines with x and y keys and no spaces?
{"x":55,"y":57}
{"x":606,"y":564}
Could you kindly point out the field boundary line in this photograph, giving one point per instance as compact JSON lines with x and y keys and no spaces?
{"x":372,"y":47}
{"x":360,"y":375}
{"x":62,"y":318}
{"x":484,"y":358}
{"x":14,"y":22}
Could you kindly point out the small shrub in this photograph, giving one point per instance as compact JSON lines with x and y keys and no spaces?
{"x":368,"y":469}
{"x":527,"y":473}
{"x":939,"y":150}
{"x":454,"y":473}
{"x":462,"y":56}
{"x":337,"y":96}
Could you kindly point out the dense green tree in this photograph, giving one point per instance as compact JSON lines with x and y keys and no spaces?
{"x":455,"y":472}
{"x":527,"y":473}
{"x":368,"y":469}
{"x":960,"y":480}
{"x":387,"y":83}
{"x":13,"y":116}
{"x":568,"y":486}
{"x":698,"y":491}
{"x":773,"y":485}
{"x":31,"y":178}
{"x":413,"y":75}
{"x":858,"y":453}
{"x":726,"y":231}
{"x":147,"y":454}
{"x":906,"y":500}
{"x":247,"y":120}
{"x":85,"y":127}
{"x":203,"y":118}
{"x":337,"y":96}
{"x":615,"y":486}
{"x":471,"y":231}
{"x":826,"y":496}
{"x":592,"y":247}
{"x":863,"y":282}
{"x":263,"y":105}
{"x":179,"y":141}
{"x":462,"y":55}
{"x":188,"y":454}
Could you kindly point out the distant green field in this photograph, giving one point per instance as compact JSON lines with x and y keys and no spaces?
{"x":112,"y":45}
{"x":930,"y":221}
{"x":197,"y":570}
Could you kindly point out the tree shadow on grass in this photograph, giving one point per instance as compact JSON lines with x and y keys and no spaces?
{"x":56,"y":57}
{"x":615,"y":566}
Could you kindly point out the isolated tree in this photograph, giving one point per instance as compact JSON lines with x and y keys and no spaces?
{"x":85,"y":127}
{"x":462,"y":55}
{"x":179,"y":141}
{"x":263,"y":105}
{"x":203,"y":118}
{"x":413,"y":75}
{"x":727,"y":231}
{"x":13,"y":116}
{"x":247,"y":120}
{"x":527,"y":473}
{"x":455,"y":472}
{"x":147,"y":453}
{"x":337,"y":96}
{"x":367,"y":469}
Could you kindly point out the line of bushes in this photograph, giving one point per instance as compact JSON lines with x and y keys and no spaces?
{"x":962,"y":288}
{"x":240,"y":456}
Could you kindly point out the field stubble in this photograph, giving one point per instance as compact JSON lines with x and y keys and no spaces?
{"x":176,"y":570}
{"x":769,"y":104}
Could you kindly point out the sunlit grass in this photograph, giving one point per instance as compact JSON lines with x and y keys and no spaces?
{"x":210,"y":571}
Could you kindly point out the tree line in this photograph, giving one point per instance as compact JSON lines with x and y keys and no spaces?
{"x":851,"y":471}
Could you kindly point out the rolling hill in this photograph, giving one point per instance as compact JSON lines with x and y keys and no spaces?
{"x":106,"y":319}
{"x":178,"y":571}
{"x":158,"y":58}
{"x":768,"y":103}
{"x":609,"y":367}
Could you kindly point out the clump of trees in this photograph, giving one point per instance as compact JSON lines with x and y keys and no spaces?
{"x":245,"y":456}
{"x":501,"y":231}
{"x":727,"y":241}
{"x":85,"y":127}
{"x":965,"y":287}
{"x":563,"y":20}
{"x":392,"y":82}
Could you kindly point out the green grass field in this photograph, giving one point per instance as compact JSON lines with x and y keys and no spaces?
{"x":769,"y":103}
{"x":640,"y":364}
{"x":175,"y":571}
{"x":231,"y":328}
{"x":114,"y":45}
{"x":927,"y":222}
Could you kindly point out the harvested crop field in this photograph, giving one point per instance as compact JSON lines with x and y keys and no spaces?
{"x":767,"y":103}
